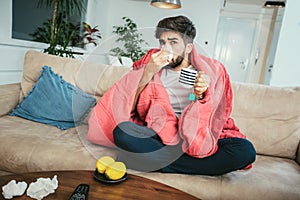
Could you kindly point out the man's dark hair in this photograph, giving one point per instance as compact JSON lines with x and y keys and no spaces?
{"x":180,"y":24}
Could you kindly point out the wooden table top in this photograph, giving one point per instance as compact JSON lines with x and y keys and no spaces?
{"x":135,"y":187}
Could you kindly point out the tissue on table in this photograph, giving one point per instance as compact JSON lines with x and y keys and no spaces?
{"x":42,"y":187}
{"x":14,"y":189}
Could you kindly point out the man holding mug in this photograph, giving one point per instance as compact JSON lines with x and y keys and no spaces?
{"x":159,"y":123}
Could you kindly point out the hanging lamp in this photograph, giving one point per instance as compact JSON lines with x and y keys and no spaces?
{"x":168,"y":4}
{"x":272,"y":4}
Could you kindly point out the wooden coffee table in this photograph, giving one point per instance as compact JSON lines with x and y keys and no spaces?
{"x":134,"y":187}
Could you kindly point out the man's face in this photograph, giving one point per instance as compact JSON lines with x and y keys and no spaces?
{"x":174,"y":41}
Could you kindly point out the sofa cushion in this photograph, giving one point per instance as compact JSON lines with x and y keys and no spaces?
{"x":27,"y":146}
{"x":269,"y":178}
{"x":269,"y":116}
{"x":54,"y":101}
{"x":92,"y":78}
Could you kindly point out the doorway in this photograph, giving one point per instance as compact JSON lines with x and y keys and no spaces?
{"x":246,"y":41}
{"x":234,"y":46}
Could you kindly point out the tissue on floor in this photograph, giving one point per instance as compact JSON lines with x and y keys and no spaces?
{"x":42,"y":187}
{"x":13,"y":189}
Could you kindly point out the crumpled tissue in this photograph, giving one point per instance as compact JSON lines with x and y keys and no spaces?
{"x":42,"y":187}
{"x":14,"y":189}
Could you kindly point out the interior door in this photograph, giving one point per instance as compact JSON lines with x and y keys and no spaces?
{"x":234,"y":44}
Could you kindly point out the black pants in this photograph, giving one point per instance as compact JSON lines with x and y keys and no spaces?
{"x":141,"y":149}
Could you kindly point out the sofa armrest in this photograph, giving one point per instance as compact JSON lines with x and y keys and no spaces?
{"x":9,"y":97}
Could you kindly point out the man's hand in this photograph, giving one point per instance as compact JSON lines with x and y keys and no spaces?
{"x":201,"y":84}
{"x":155,"y":64}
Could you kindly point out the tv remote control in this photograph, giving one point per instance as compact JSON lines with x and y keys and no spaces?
{"x":80,"y":193}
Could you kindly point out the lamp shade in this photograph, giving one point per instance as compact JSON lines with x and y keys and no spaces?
{"x":272,"y":4}
{"x":169,"y":4}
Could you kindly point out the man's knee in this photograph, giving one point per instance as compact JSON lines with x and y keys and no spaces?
{"x":251,"y":153}
{"x":241,"y":150}
{"x":246,"y":153}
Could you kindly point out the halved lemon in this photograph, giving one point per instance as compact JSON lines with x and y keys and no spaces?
{"x":103,"y":162}
{"x":115,"y":171}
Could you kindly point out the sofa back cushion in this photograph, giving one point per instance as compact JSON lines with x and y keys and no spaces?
{"x":93,"y":78}
{"x":269,"y":116}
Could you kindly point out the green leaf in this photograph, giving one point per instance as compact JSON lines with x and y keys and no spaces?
{"x":130,"y":39}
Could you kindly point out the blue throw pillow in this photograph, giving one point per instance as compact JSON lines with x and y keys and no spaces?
{"x":54,"y":101}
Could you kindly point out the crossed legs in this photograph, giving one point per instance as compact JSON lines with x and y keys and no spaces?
{"x":141,"y":149}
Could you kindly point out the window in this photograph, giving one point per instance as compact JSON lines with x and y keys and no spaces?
{"x":27,"y":17}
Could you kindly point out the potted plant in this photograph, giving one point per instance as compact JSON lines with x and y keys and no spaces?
{"x":131,"y":39}
{"x":61,"y":33}
{"x":67,"y":34}
{"x":91,"y":36}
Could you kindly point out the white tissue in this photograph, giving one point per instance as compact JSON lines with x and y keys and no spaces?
{"x":170,"y":56}
{"x":14,"y":189}
{"x":42,"y":187}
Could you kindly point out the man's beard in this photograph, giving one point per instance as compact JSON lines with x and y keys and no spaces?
{"x":177,"y":62}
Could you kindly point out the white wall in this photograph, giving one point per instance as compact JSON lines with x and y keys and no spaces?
{"x":105,"y":14}
{"x":204,"y":14}
{"x":286,"y":70}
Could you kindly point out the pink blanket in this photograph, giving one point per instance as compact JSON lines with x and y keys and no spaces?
{"x":200,"y":126}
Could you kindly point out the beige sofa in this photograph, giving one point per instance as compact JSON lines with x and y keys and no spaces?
{"x":268,"y":116}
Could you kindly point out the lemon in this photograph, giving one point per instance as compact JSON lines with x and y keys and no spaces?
{"x":115,"y":171}
{"x":103,"y":163}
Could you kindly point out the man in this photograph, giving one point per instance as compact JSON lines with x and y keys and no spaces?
{"x":160,"y":124}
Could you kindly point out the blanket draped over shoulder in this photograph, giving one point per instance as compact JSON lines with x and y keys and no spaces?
{"x":201,"y":123}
